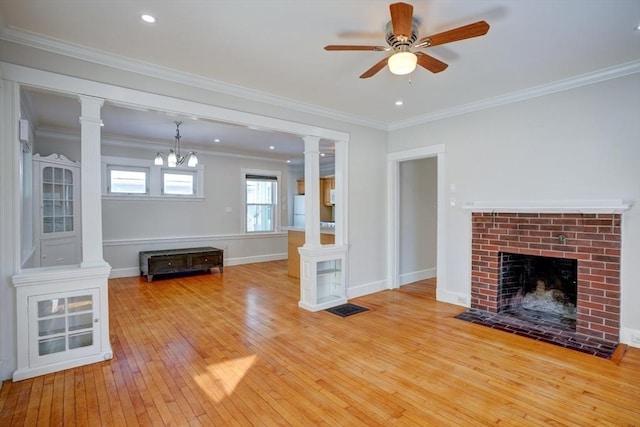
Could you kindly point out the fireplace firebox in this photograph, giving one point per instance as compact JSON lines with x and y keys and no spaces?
{"x":538,"y":288}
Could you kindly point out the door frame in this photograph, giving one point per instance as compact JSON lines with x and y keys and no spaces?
{"x":393,"y":203}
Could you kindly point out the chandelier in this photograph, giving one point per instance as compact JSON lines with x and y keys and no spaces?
{"x":174,"y":158}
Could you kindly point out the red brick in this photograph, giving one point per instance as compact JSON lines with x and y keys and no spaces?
{"x":551,"y":254}
{"x":591,"y":306}
{"x":592,"y":264}
{"x":589,"y":222}
{"x":589,"y":236}
{"x":564,"y":221}
{"x":605,"y":258}
{"x":606,"y":273}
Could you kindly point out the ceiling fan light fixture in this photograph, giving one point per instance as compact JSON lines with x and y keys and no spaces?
{"x":402,"y":63}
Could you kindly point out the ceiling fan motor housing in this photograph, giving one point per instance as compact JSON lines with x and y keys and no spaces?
{"x":401,"y":43}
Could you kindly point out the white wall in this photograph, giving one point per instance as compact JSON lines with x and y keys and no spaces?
{"x":579,"y":144}
{"x":418,"y":219}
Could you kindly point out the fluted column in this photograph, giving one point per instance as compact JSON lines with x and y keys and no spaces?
{"x":90,"y":124}
{"x":312,"y":191}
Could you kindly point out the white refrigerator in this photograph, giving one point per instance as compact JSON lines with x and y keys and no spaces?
{"x":298,"y":211}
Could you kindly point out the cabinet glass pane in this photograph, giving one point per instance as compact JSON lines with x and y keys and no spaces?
{"x":47,"y":225}
{"x":80,"y":303}
{"x":58,"y":225}
{"x":80,"y":321}
{"x":68,"y":223}
{"x":57,"y":175}
{"x":47,"y":174}
{"x":84,"y":339}
{"x":68,"y":208}
{"x":52,"y":345}
{"x":50,"y":307}
{"x":47,"y":191}
{"x":58,"y":191}
{"x":51,"y":326}
{"x":68,"y":192}
{"x":57,"y":208}
{"x":47,"y":208}
{"x":68,"y":176}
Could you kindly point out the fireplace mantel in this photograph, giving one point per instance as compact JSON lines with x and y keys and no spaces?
{"x":550,"y":206}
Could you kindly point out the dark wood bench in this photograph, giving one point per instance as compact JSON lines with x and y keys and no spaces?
{"x":180,"y":261}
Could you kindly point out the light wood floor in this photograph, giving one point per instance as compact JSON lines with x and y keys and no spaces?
{"x":236,"y":350}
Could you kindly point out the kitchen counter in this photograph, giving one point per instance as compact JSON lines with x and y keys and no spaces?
{"x":296,"y":239}
{"x":323,"y":230}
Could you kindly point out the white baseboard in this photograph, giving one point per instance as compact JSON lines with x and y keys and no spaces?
{"x":135,"y":271}
{"x":631,"y":337}
{"x":367,"y":288}
{"x":456,"y":298}
{"x":416,"y":276}
{"x":255,"y":259}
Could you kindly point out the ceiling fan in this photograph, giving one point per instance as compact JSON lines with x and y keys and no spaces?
{"x":402,"y":38}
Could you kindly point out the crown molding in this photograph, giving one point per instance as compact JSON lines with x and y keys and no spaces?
{"x":39,"y":41}
{"x":50,"y":44}
{"x":522,"y":95}
{"x":73,"y":136}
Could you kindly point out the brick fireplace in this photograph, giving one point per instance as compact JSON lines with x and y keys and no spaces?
{"x":592,"y":239}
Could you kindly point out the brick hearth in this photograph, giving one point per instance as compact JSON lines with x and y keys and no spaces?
{"x":592,"y":239}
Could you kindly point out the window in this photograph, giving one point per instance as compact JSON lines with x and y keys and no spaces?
{"x":141,"y":179}
{"x":178,"y":183}
{"x":128,"y":180}
{"x":261,"y":194}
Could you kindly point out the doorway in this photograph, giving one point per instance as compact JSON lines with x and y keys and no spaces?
{"x":405,"y":210}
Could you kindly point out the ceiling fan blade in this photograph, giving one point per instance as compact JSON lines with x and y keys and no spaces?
{"x":373,"y":70}
{"x":355,"y":47}
{"x":476,"y":29}
{"x":401,"y":19}
{"x":430,"y":63}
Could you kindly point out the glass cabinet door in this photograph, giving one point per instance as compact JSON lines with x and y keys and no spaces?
{"x":57,"y":200}
{"x":63,"y":323}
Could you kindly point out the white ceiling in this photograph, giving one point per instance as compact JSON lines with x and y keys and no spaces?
{"x":274,"y":48}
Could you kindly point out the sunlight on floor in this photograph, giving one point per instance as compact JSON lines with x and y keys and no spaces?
{"x":221,"y":379}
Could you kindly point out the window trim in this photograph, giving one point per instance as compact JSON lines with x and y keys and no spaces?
{"x":154,"y":180}
{"x":276,"y":198}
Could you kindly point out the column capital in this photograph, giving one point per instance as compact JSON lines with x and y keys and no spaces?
{"x":85,"y":99}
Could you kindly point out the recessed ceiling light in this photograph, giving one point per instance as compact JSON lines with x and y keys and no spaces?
{"x":322,"y":154}
{"x":288,"y":161}
{"x":271,"y":147}
{"x":399,"y":102}
{"x":216,"y":140}
{"x":148,"y":18}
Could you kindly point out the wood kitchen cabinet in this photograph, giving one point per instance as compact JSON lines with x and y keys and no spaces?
{"x":326,"y":185}
{"x":300,"y":186}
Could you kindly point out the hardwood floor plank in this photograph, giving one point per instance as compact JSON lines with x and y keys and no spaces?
{"x":236,"y":350}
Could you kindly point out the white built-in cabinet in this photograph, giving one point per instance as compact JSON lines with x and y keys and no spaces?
{"x":62,"y":317}
{"x":322,"y":277}
{"x":56,"y":195}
